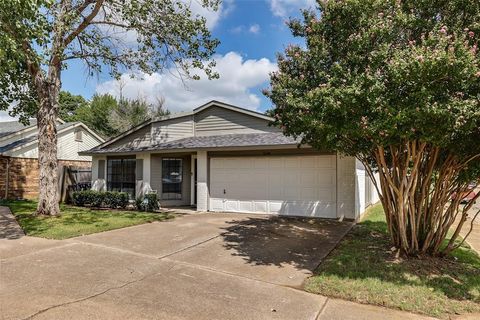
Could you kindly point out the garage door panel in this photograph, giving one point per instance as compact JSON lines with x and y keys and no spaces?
{"x":245,"y":206}
{"x":260,"y":163}
{"x":216,"y":204}
{"x":297,"y":185}
{"x":307,"y":208}
{"x":260,"y":206}
{"x":276,"y":162}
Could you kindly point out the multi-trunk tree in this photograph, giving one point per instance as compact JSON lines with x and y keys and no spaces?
{"x":38,"y":38}
{"x":397,"y":85}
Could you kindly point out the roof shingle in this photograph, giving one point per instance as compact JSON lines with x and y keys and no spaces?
{"x":24,"y":140}
{"x":208,"y":142}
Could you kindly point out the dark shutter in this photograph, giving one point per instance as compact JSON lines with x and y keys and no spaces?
{"x":101,"y":169}
{"x":139,"y":172}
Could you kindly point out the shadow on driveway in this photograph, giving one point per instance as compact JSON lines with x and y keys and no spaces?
{"x":276,"y":241}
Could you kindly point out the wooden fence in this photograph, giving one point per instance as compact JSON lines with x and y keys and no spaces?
{"x":72,"y":179}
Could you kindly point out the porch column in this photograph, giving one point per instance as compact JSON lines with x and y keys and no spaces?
{"x":142,"y":174}
{"x":202,"y":185}
{"x":192,"y":179}
{"x":99,"y":168}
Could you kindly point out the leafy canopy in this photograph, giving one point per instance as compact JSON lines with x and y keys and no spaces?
{"x":69,"y":104}
{"x":132,"y":112}
{"x":107,"y":115}
{"x":376,"y":72}
{"x":107,"y":35}
{"x":96,"y":113}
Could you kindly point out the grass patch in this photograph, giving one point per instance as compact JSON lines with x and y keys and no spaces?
{"x":76,"y":221}
{"x":364,"y":269}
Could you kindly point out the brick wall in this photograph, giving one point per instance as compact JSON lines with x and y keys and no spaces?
{"x":23,"y":176}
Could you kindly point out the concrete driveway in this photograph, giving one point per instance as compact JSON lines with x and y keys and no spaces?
{"x":198,"y":266}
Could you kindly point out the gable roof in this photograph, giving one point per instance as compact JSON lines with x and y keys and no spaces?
{"x":208,"y":142}
{"x":177,"y":115}
{"x":25,"y":141}
{"x":11,"y":127}
{"x":233,"y":108}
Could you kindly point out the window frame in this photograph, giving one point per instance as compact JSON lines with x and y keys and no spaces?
{"x":179,"y":193}
{"x":123,"y":178}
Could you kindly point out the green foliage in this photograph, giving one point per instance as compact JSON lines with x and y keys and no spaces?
{"x":375,"y":73}
{"x":76,"y":221}
{"x":97,"y":199}
{"x":132,"y":112}
{"x":96,"y":114}
{"x":112,"y":36}
{"x":364,"y":269}
{"x":107,"y":115}
{"x":149,"y":203}
{"x":69,"y":104}
{"x":115,"y":200}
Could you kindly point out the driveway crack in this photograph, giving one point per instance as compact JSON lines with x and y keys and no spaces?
{"x":91,"y":296}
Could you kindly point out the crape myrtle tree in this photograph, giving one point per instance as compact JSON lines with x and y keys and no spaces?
{"x":395,"y":83}
{"x":39,"y":37}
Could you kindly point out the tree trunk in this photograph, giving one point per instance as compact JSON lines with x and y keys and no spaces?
{"x":47,"y":145}
{"x":417,"y":182}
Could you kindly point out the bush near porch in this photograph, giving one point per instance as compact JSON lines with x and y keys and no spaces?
{"x":365,"y":269}
{"x":77,"y":221}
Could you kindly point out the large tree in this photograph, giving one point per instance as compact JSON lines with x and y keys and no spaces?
{"x":131,"y":112}
{"x":96,"y":114}
{"x":395,"y":83}
{"x":39,"y":37}
{"x":69,"y":104}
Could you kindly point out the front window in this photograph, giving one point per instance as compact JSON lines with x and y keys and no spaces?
{"x":121,"y":176}
{"x":172,"y":179}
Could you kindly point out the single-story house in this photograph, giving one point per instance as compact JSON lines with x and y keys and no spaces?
{"x":220,"y":157}
{"x":19,"y":170}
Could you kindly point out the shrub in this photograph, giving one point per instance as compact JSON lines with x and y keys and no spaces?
{"x":98,"y":199}
{"x":149,"y":202}
{"x":87,"y":197}
{"x":78,"y":198}
{"x":115,"y":199}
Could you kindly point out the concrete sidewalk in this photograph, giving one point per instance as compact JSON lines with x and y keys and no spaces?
{"x":9,"y":228}
{"x":202,"y":266}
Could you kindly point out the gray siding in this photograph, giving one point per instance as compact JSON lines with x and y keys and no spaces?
{"x":137,"y":139}
{"x":156,"y":179}
{"x":218,"y":121}
{"x":168,"y":130}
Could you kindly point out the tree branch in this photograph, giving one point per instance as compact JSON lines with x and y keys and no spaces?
{"x":84,"y":24}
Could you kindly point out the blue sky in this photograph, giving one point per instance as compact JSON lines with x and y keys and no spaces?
{"x":251,"y":33}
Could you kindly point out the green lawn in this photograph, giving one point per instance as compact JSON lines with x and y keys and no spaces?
{"x":76,"y":221}
{"x":364,"y":269}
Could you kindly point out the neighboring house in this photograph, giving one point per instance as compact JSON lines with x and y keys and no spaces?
{"x":19,"y":154}
{"x":224,"y":158}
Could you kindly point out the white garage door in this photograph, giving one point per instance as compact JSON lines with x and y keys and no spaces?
{"x":290,"y":185}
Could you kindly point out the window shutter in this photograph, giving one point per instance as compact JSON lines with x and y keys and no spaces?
{"x":139,"y":169}
{"x":101,"y":169}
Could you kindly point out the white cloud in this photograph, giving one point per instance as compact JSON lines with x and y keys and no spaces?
{"x":237,"y":79}
{"x":254,"y":28}
{"x":213,"y":17}
{"x":284,"y":8}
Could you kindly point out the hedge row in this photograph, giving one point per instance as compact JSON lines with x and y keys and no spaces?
{"x":98,"y":199}
{"x":148,"y":203}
